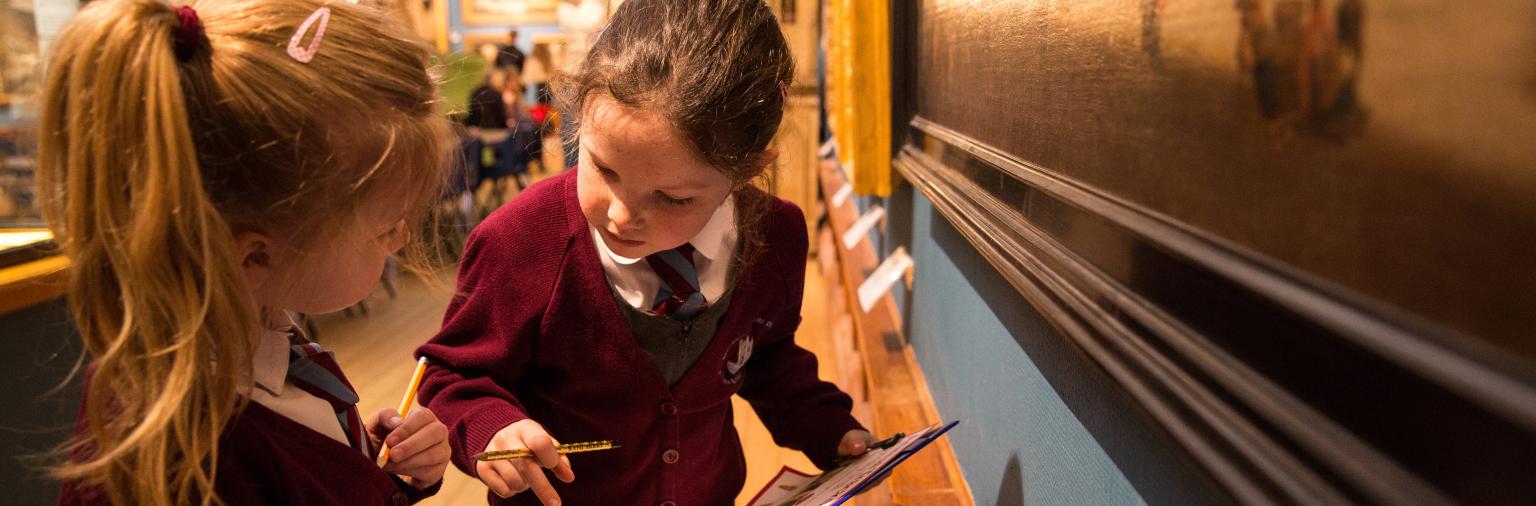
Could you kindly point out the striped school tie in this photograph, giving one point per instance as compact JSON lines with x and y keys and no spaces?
{"x":679,"y":297}
{"x":315,"y":370}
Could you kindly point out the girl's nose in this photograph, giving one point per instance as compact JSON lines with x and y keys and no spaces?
{"x":621,"y":214}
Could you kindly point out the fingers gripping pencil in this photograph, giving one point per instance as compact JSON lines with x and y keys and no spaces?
{"x":405,"y":402}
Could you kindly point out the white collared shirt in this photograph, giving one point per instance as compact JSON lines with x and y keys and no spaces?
{"x":714,"y":246}
{"x":273,"y":389}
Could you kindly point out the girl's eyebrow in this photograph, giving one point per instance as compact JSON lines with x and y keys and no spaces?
{"x":595,"y":161}
{"x":592,"y":154}
{"x":682,"y":187}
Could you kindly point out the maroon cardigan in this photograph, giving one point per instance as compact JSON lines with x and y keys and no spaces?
{"x":536,"y":333}
{"x":268,"y":459}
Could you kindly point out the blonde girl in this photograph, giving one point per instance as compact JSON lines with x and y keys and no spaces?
{"x":209,"y":168}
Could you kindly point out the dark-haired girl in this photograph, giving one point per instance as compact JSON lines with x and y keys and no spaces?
{"x":631,"y":298}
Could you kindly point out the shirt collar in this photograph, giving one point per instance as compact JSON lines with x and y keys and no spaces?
{"x":270,"y":363}
{"x":718,"y":237}
{"x":714,"y":241}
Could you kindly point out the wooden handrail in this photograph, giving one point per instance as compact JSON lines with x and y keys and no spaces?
{"x":33,"y":282}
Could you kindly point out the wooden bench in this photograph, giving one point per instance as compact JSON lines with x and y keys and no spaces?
{"x":878,"y":366}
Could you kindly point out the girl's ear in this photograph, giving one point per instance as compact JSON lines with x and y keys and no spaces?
{"x":763,"y":162}
{"x":255,"y":258}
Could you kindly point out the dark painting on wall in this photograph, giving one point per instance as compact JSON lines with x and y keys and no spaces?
{"x":1383,"y":148}
{"x":1299,"y":233}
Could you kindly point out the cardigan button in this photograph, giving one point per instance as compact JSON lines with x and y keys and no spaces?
{"x":669,"y":456}
{"x":668,"y":503}
{"x":399,"y":499}
{"x":669,"y":408}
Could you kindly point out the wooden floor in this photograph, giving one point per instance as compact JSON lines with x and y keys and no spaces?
{"x":375,"y":351}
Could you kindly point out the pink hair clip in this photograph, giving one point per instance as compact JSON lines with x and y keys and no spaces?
{"x":305,"y":54}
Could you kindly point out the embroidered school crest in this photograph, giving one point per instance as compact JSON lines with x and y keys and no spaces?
{"x":736,"y":359}
{"x":740,"y":351}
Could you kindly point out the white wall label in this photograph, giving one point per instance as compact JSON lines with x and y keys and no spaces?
{"x":862,"y":227}
{"x":841,"y":197}
{"x":885,"y":276}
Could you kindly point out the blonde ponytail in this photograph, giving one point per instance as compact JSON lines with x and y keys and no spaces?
{"x":156,"y":291}
{"x":149,"y":163}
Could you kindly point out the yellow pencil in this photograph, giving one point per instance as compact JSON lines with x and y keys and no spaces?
{"x":405,"y":402}
{"x":560,"y":449}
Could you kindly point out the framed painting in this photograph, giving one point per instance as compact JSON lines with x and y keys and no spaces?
{"x":1303,"y":214}
{"x":507,"y":12}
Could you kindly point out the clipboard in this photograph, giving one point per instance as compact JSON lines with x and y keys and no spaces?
{"x":835,"y":487}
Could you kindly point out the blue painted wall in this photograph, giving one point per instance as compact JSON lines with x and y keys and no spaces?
{"x":1041,"y":424}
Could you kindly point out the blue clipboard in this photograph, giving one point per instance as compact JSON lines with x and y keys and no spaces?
{"x":897,"y":460}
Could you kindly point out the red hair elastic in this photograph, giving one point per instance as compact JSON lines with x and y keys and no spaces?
{"x":189,"y":34}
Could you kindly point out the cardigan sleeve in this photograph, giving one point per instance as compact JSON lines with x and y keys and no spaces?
{"x":800,"y":411}
{"x":415,"y":495}
{"x":485,"y":343}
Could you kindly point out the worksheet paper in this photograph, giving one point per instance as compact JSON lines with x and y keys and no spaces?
{"x":794,"y":488}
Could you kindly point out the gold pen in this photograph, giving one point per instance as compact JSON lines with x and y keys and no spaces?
{"x":561,"y":449}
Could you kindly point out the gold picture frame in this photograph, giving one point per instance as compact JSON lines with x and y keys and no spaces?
{"x":507,"y":12}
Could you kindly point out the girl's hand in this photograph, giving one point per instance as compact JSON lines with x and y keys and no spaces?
{"x":509,"y":477}
{"x":855,"y":443}
{"x":418,"y":444}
